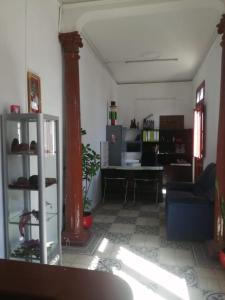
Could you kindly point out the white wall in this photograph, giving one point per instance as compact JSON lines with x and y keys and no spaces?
{"x":44,"y":52}
{"x":29,"y":41}
{"x":210,"y":71}
{"x":96,"y":89}
{"x":139,"y":100}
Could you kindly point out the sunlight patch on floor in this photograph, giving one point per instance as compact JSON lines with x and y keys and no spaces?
{"x":102,"y":247}
{"x":151,"y":271}
{"x":94,"y":263}
{"x":140,"y":291}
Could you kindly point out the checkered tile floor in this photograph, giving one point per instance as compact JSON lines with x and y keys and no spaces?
{"x":134,"y":247}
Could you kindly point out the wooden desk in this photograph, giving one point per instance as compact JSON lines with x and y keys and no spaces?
{"x":27,"y":281}
{"x":129,"y":172}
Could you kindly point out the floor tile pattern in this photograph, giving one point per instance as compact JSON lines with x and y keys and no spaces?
{"x":134,"y":246}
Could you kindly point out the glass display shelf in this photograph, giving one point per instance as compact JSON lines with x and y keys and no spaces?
{"x":32,"y":187}
{"x":47,"y":154}
{"x":14,"y":186}
{"x":21,"y":253}
{"x":33,"y":221}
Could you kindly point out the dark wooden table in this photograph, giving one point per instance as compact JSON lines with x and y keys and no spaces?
{"x":23,"y":281}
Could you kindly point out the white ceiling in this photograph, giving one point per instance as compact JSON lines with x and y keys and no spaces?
{"x":140,"y":30}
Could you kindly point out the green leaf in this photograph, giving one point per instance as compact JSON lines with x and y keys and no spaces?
{"x":90,"y":167}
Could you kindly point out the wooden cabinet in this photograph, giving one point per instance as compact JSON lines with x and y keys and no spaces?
{"x":177,"y":173}
{"x":165,"y":147}
{"x":170,"y":148}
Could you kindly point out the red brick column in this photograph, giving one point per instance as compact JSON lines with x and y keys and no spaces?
{"x":73,"y":232}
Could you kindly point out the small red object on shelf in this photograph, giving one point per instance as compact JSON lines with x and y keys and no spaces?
{"x":15,"y":108}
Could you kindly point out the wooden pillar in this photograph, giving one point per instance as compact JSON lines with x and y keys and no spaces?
{"x":220,"y":162}
{"x":73,"y":232}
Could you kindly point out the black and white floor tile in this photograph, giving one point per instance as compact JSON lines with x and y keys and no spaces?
{"x":133,"y":246}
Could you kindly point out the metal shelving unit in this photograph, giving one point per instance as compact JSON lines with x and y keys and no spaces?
{"x":31,"y":174}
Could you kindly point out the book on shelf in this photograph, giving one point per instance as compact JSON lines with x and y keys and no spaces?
{"x":150,"y":136}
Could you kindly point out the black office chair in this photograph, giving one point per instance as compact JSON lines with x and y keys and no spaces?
{"x":138,"y":182}
{"x":109,"y":180}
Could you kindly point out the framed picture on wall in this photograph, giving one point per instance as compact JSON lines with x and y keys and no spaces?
{"x":34,"y":93}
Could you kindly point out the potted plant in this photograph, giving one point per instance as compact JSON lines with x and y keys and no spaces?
{"x":90,"y":167}
{"x":222,"y":251}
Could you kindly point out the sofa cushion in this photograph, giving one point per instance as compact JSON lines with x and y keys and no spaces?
{"x":178,"y":195}
{"x":180,"y":186}
{"x":205,"y":184}
{"x":190,"y":213}
{"x":185,"y":197}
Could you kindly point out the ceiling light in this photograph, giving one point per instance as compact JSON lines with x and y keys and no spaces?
{"x":130,"y":61}
{"x":150,"y":60}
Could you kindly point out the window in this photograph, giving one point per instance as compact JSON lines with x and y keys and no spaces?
{"x":200,"y":93}
{"x":199,"y":129}
{"x":199,"y":120}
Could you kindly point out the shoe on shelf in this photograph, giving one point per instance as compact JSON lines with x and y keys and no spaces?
{"x":15,"y":145}
{"x":33,"y":147}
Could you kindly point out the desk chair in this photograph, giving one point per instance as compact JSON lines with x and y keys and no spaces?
{"x":121,"y":180}
{"x":154,"y":182}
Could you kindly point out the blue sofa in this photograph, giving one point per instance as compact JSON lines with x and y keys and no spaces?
{"x":190,"y":208}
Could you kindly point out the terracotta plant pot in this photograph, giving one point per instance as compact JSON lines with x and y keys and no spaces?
{"x":87,"y":220}
{"x":222,"y":257}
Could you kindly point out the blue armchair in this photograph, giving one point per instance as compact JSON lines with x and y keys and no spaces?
{"x":190,"y":208}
